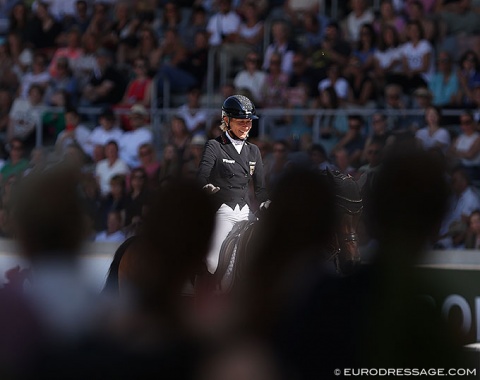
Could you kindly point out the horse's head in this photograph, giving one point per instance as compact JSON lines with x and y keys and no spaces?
{"x":349,"y":208}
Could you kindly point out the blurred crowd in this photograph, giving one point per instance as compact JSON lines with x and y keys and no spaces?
{"x":413,"y":64}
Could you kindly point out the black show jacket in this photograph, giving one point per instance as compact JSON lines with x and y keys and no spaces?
{"x":224,"y":167}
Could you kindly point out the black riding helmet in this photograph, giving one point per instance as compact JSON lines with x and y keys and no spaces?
{"x":239,"y":107}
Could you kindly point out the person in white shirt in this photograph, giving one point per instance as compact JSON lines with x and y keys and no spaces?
{"x":105,"y":132}
{"x":113,"y":233}
{"x":195,"y":117}
{"x":223,"y":26}
{"x":140,"y":134}
{"x":356,"y":18}
{"x":336,"y":81}
{"x":110,"y":166}
{"x":251,"y":78}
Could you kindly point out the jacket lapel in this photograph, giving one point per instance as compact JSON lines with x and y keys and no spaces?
{"x":242,"y":158}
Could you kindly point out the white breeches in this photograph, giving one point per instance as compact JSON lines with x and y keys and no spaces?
{"x":224,"y":222}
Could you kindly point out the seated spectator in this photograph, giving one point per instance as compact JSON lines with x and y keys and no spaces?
{"x":421,"y":11}
{"x":72,"y":51}
{"x":150,"y":163}
{"x":274,"y":89}
{"x":115,"y":200}
{"x":63,"y":81}
{"x":251,"y":77}
{"x":464,"y":201}
{"x":74,"y":133}
{"x":366,"y":47}
{"x":223,"y":25}
{"x":388,"y":16}
{"x":303,"y":73}
{"x":417,"y":58}
{"x":299,"y":126}
{"x":43,"y":30}
{"x":422,"y":99}
{"x":179,"y":137}
{"x":197,"y":23}
{"x":16,"y":164}
{"x":106,"y":85}
{"x":85,"y":65}
{"x":297,"y":11}
{"x":113,"y":233}
{"x":110,"y":166}
{"x":8,"y":75}
{"x":373,"y":158}
{"x":195,"y":151}
{"x":137,"y":195}
{"x":141,"y":133}
{"x":394,"y":100}
{"x":468,"y":77}
{"x":433,"y":135}
{"x":139,"y":88}
{"x":6,"y":101}
{"x":38,"y":75}
{"x":358,"y":16}
{"x":25,"y":116}
{"x":387,"y":60}
{"x":332,"y":126}
{"x":465,"y":149}
{"x":378,"y":132}
{"x":319,"y":159}
{"x":281,"y":45}
{"x":249,"y":36}
{"x":278,"y":164}
{"x":81,"y":17}
{"x":101,"y":22}
{"x":170,"y":164}
{"x":353,"y":141}
{"x":335,"y":80}
{"x":461,"y":26}
{"x":193,"y":114}
{"x":314,"y":26}
{"x":19,"y":17}
{"x":472,"y":239}
{"x":361,"y":88}
{"x":444,"y":83}
{"x":103,"y":133}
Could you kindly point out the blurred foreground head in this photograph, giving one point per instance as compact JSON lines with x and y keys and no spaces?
{"x":48,"y":217}
{"x":175,"y":240}
{"x":409,"y":197}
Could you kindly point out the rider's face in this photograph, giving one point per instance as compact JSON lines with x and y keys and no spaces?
{"x":240,"y":127}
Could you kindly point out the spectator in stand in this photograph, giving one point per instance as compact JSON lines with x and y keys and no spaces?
{"x":366,"y":47}
{"x":319,"y":159}
{"x":197,"y":23}
{"x":110,"y":166}
{"x":141,"y":133}
{"x":105,"y":132}
{"x":74,"y":133}
{"x":16,"y":164}
{"x":149,"y":163}
{"x":179,"y":137}
{"x":43,"y":30}
{"x":38,"y":75}
{"x":85,"y":65}
{"x":332,"y":126}
{"x":296,"y":11}
{"x":6,"y":101}
{"x":223,"y":25}
{"x":8,"y":76}
{"x":460,"y":27}
{"x":195,"y":151}
{"x":314,"y":25}
{"x":170,"y":165}
{"x":388,"y":16}
{"x":421,"y":12}
{"x":417,"y":58}
{"x":81,"y":18}
{"x":279,"y":163}
{"x":171,"y":19}
{"x":25,"y":115}
{"x":373,"y":154}
{"x":422,"y":99}
{"x":113,"y":233}
{"x":72,"y":51}
{"x":444,"y":83}
{"x":299,"y":126}
{"x":137,"y":196}
{"x":433,"y":135}
{"x":100,"y":23}
{"x":335,"y":80}
{"x":193,"y":114}
{"x":472,"y":239}
{"x":303,"y":73}
{"x":63,"y":81}
{"x":378,"y":132}
{"x":361,"y":88}
{"x":465,"y":149}
{"x":249,"y":37}
{"x":252,"y":77}
{"x":394,"y":100}
{"x":139,"y":91}
{"x":147,"y":48}
{"x":106,"y":86}
{"x":468,"y":76}
{"x":281,"y":45}
{"x":19,"y":20}
{"x":115,"y":200}
{"x":353,"y":141}
{"x":387,"y":60}
{"x":358,"y":16}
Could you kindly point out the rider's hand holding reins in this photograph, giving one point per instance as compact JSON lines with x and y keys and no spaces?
{"x":211,"y":189}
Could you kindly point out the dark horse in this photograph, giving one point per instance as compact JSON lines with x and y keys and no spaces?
{"x":343,"y":252}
